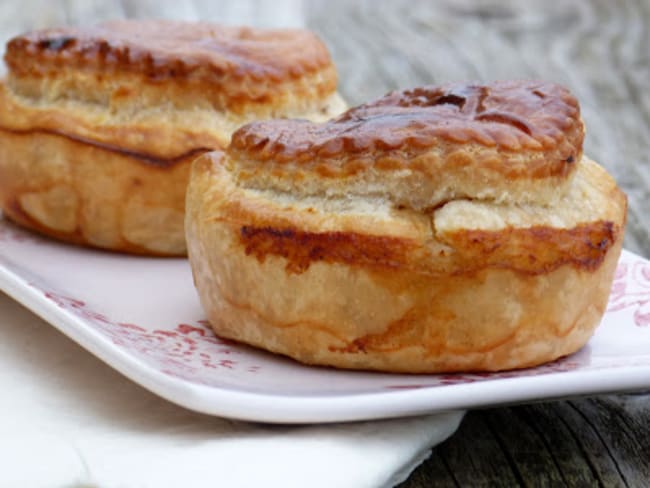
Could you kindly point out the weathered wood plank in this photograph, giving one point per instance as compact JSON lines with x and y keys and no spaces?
{"x":623,"y":426}
{"x":603,"y":441}
{"x":466,"y":457}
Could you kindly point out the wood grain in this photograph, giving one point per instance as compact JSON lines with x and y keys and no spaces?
{"x":600,"y":50}
{"x":603,"y":441}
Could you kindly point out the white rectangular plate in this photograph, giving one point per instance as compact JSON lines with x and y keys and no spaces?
{"x":142,"y":317}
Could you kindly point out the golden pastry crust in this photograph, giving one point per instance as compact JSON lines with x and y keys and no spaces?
{"x":153,"y":94}
{"x":368,"y":279}
{"x":507,"y":141}
{"x":363,"y":285}
{"x":86,"y":194}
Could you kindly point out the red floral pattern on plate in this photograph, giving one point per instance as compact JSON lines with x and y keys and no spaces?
{"x":631,"y":289}
{"x":560,"y":366}
{"x":182,"y":351}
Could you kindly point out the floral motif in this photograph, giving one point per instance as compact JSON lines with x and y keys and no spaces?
{"x":181,"y":351}
{"x":631,"y":289}
{"x":559,"y":366}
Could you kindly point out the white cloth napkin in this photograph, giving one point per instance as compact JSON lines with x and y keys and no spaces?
{"x":68,"y":420}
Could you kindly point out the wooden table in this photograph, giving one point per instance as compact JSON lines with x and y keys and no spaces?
{"x":598,"y":48}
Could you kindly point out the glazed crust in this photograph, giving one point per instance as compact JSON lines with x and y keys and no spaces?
{"x":139,"y":100}
{"x":449,"y":228}
{"x":510,"y":141}
{"x":228,"y":67}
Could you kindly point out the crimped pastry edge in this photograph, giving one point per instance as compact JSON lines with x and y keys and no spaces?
{"x":510,"y":141}
{"x":234,"y":67}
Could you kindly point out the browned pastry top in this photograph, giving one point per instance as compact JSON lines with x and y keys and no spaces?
{"x":531,"y":121}
{"x":163,"y":88}
{"x":161,"y":49}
